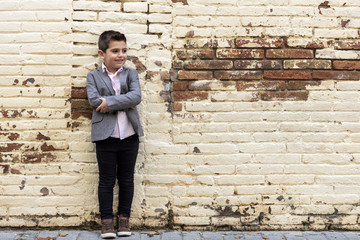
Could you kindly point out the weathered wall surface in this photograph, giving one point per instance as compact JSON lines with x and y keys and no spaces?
{"x":250,"y":111}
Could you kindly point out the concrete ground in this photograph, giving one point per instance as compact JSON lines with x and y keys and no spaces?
{"x":180,"y":235}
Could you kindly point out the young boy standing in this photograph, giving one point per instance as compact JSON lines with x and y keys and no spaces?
{"x":114,"y":91}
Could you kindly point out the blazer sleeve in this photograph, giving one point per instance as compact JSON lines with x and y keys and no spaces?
{"x":129,"y":99}
{"x":92,"y":92}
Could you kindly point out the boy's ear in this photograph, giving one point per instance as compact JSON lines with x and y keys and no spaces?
{"x":101,"y":54}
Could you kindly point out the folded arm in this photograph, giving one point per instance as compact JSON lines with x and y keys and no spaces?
{"x":129,"y":99}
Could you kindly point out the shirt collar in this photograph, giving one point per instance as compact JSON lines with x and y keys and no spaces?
{"x":104,"y":68}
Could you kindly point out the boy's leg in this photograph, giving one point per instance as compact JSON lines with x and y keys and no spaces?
{"x":126,"y":165}
{"x":106,"y":157}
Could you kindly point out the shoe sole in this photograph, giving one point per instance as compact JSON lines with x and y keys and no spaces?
{"x":108,"y":235}
{"x":123,"y":234}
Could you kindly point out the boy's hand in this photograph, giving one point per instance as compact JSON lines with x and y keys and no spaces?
{"x":103,"y":108}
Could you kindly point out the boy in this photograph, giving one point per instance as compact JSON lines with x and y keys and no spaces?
{"x":113,"y":92}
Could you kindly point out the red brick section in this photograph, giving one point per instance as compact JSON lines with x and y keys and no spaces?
{"x":276,"y":68}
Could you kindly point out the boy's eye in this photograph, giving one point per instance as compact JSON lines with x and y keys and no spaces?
{"x":124,"y":51}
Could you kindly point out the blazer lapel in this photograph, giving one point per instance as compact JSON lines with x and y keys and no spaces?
{"x":107,"y":81}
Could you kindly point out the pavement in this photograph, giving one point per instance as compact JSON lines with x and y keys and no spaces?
{"x":180,"y":235}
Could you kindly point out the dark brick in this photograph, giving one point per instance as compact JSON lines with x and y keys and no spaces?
{"x":257,"y":64}
{"x":10,"y":135}
{"x":286,"y":95}
{"x":9,"y":147}
{"x":336,"y":75}
{"x":177,"y":107}
{"x":77,"y":113}
{"x":287,"y":74}
{"x":79,"y":93}
{"x":198,"y":75}
{"x":347,"y":65}
{"x":193,"y":54}
{"x":237,"y":75}
{"x":209,"y":64}
{"x":240,"y":53}
{"x":179,"y":86}
{"x":259,"y":43}
{"x":35,"y":157}
{"x":194,"y":96}
{"x":260,"y":85}
{"x":41,"y":136}
{"x":289,"y":53}
{"x":4,"y":168}
{"x":301,"y":85}
{"x":80,"y":104}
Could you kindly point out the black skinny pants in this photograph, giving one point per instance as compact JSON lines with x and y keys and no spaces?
{"x":116,"y":160}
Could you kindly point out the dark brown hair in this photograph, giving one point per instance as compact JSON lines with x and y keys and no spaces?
{"x":107,"y":36}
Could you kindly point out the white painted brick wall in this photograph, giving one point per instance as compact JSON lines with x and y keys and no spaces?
{"x":225,"y":160}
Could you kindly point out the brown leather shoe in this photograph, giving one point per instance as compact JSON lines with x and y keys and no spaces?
{"x":107,"y":229}
{"x":123,"y":226}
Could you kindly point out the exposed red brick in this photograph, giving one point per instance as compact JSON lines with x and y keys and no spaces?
{"x":47,"y":148}
{"x":257,"y":64}
{"x":286,"y":95}
{"x":80,"y":104}
{"x":193,"y":54}
{"x":287,"y":74}
{"x":194,"y":96}
{"x":347,"y":44}
{"x":177,"y":106}
{"x":164,"y":75}
{"x":77,"y":113}
{"x":301,"y":85}
{"x":12,"y":113}
{"x":9,"y":147}
{"x":35,"y":157}
{"x":240,"y":53}
{"x":198,"y":75}
{"x":289,"y":53}
{"x":260,"y":85}
{"x":10,"y":135}
{"x":237,"y":75}
{"x":209,"y":64}
{"x":307,"y":64}
{"x":179,"y":86}
{"x":347,"y":65}
{"x":40,"y":136}
{"x":79,"y":93}
{"x":336,"y":75}
{"x":259,"y":43}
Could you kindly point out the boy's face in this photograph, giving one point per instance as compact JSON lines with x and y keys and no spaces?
{"x":115,"y":56}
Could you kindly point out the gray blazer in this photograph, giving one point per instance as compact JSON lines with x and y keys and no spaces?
{"x":98,"y":84}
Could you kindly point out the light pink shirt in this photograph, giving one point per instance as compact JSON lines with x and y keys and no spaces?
{"x":123,"y":127}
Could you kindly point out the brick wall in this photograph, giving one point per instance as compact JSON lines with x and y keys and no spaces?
{"x":249,"y":110}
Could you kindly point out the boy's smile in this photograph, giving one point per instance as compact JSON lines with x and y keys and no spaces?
{"x":115,"y":56}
